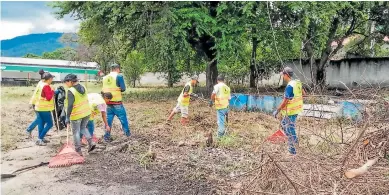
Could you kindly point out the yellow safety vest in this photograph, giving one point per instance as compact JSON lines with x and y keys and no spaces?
{"x":42,"y":104}
{"x":95,"y":99}
{"x":295,"y":105}
{"x":109,"y":85}
{"x":184,"y":101}
{"x":222,"y":97}
{"x":81,"y":107}
{"x":35,"y":95}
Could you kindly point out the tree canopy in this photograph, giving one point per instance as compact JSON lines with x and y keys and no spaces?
{"x":232,"y":38}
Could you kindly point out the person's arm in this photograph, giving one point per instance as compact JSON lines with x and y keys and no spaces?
{"x":69,"y":109}
{"x":120,"y":83}
{"x":47,"y":92}
{"x":186,"y":91}
{"x":214,"y":92}
{"x":103,"y":109}
{"x":288,"y":96}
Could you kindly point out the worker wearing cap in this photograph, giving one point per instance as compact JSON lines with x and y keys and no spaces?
{"x":221,"y":95}
{"x":78,"y":111}
{"x":44,"y":105}
{"x":114,"y":83}
{"x":97,"y":104}
{"x":33,"y":100}
{"x":291,"y":106}
{"x":183,"y":101}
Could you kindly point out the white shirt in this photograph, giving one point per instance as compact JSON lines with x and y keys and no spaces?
{"x":216,"y":89}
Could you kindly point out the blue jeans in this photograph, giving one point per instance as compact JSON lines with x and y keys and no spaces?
{"x":34,"y":123}
{"x":78,"y":127}
{"x":91,"y":128}
{"x":45,"y":123}
{"x":288,"y":125}
{"x":120,"y":112}
{"x":221,"y":121}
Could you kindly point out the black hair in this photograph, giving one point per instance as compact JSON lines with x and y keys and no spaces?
{"x":71,"y":77}
{"x":41,"y":72}
{"x":107,"y":95}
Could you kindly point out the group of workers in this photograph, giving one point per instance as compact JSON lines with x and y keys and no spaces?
{"x":82,"y":108}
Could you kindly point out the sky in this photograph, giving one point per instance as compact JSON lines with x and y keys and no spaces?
{"x":22,"y":18}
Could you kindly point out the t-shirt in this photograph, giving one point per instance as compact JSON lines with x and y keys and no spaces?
{"x":216,"y":89}
{"x":102,"y":107}
{"x":289,"y":92}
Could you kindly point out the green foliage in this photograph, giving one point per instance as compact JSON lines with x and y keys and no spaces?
{"x":133,"y":67}
{"x":66,"y":53}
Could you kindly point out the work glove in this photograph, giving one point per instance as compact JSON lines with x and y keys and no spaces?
{"x":275,"y":113}
{"x":210,"y":103}
{"x":194,"y":95}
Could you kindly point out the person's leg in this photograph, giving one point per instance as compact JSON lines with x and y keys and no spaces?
{"x":122,"y":115}
{"x":91,"y":127}
{"x":46,"y":117}
{"x":85,"y":132}
{"x":288,"y":125}
{"x":41,"y":125}
{"x":184,"y":115}
{"x":34,"y":123}
{"x":110,"y":116}
{"x":221,"y":120}
{"x":174,"y":111}
{"x":76,"y":127}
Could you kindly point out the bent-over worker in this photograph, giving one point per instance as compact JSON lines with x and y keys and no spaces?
{"x":97,"y":104}
{"x":78,"y":111}
{"x":221,"y":95}
{"x":114,"y":83}
{"x":290,"y":107}
{"x":183,"y":101}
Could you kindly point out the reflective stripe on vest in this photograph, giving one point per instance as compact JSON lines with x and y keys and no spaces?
{"x":109,"y":85}
{"x":42,"y":104}
{"x":35,"y":95}
{"x":295,"y":105}
{"x":81,"y":107}
{"x":95,"y":99}
{"x":222,"y":97}
{"x":184,"y":101}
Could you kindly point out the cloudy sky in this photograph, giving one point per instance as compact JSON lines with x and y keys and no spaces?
{"x":22,"y":18}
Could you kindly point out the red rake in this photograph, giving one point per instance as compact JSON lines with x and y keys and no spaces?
{"x":67,"y":155}
{"x":277,"y":137}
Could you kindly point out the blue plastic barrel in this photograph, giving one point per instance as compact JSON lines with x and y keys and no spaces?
{"x":238,"y":102}
{"x":352,"y":110}
{"x":268,"y":104}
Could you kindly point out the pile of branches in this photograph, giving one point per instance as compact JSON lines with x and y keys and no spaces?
{"x":360,"y":166}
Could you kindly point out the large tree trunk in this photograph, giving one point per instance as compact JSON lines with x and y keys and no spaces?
{"x":169,"y":79}
{"x":253,"y":68}
{"x":211,"y":75}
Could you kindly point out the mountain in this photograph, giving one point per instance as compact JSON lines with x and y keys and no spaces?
{"x":32,"y":43}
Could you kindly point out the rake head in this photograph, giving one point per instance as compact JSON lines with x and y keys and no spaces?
{"x":66,"y":157}
{"x":277,"y":137}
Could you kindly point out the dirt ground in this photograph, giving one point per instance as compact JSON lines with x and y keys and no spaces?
{"x":159,"y":158}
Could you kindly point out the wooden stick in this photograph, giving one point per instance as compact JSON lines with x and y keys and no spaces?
{"x":361,"y":170}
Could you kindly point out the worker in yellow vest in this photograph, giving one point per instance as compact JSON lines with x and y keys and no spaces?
{"x":33,"y":100}
{"x":290,"y":107}
{"x":97,"y":104}
{"x":77,"y":111}
{"x":44,"y":105}
{"x":221,"y":96}
{"x":183,"y":101}
{"x":114,"y":83}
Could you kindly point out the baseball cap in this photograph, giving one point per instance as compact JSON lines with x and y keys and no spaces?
{"x":287,"y":70}
{"x":220,"y":78}
{"x":114,"y":65}
{"x":70,"y":77}
{"x":195,"y":78}
{"x":47,"y":76}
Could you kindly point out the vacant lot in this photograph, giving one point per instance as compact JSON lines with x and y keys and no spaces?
{"x":170,"y":159}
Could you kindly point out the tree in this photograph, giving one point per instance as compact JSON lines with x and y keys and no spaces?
{"x":133,"y":67}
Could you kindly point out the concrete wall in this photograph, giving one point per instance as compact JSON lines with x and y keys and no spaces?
{"x":352,"y":72}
